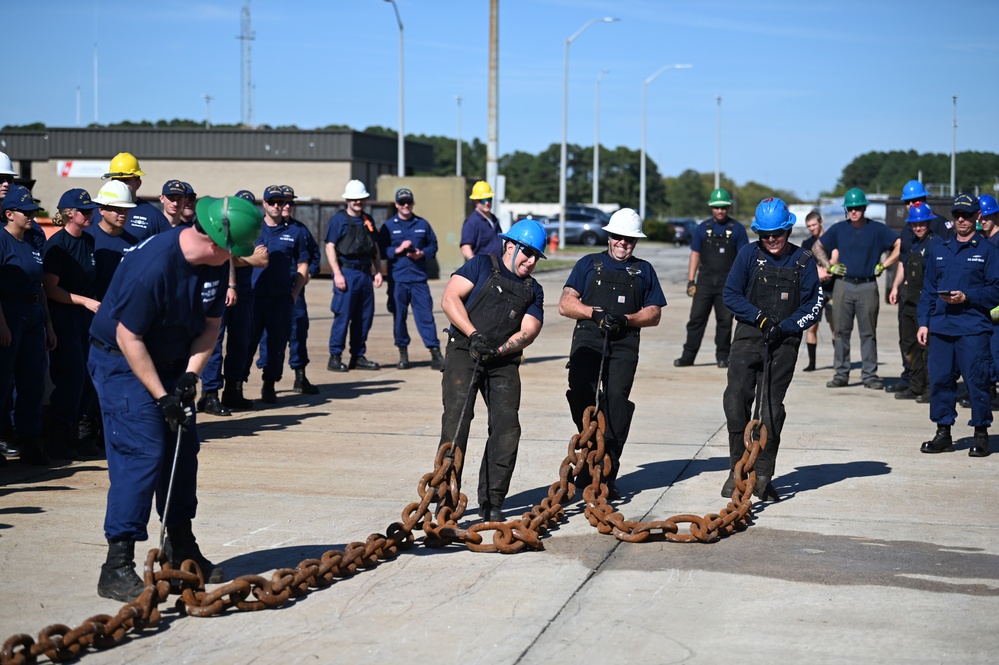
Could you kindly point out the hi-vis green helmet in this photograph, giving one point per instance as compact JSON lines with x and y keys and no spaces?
{"x":719,"y":199}
{"x":232,"y":223}
{"x":854,"y":198}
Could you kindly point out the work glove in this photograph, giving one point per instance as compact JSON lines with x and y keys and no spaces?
{"x":878,"y":269}
{"x":612,"y":324}
{"x":839,"y":269}
{"x":994,"y":313}
{"x":691,"y":289}
{"x":176,"y":413}
{"x":773,"y":335}
{"x":481,"y":348}
{"x":187,"y":387}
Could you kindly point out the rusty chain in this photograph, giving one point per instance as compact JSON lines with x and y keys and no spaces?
{"x":441,"y":487}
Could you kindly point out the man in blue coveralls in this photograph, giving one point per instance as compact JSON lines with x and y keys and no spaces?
{"x":408,"y":242}
{"x":352,"y":252}
{"x":151,"y":338}
{"x":277,"y":286}
{"x":145,"y":219}
{"x":861,"y":243}
{"x":480,"y":232}
{"x":960,"y":286}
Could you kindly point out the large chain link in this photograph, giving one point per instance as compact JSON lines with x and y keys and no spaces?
{"x":441,"y":487}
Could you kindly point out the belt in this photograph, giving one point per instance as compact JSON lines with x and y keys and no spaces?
{"x":858,"y":280}
{"x":101,"y":346}
{"x":24,"y":298}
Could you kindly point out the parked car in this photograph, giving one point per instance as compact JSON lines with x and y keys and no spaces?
{"x":583,"y":226}
{"x":683,"y":230}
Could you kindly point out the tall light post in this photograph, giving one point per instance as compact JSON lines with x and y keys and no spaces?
{"x":402,"y":133}
{"x":953,"y":153}
{"x":208,"y":110}
{"x":718,"y":143}
{"x":457,"y":168}
{"x":565,"y":125}
{"x":645,"y":85}
{"x":596,"y":142}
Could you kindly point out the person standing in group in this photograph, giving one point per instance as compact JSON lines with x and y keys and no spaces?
{"x":187,"y":211}
{"x":408,"y":242}
{"x":276,"y":286}
{"x":111,"y":240}
{"x":774,"y":292}
{"x":26,"y":331}
{"x":496,"y":310}
{"x":151,"y":339}
{"x":813,"y":222}
{"x":70,"y":283}
{"x":713,"y":247}
{"x":906,"y":292}
{"x":861,"y":243}
{"x":611,"y":296}
{"x":961,"y":285}
{"x":298,"y":352}
{"x":173,"y":198}
{"x":352,"y":252}
{"x":480,"y":233}
{"x":144,"y":219}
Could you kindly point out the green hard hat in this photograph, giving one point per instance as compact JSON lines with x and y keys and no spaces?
{"x":233,"y":223}
{"x":719,"y":199}
{"x":854,"y":197}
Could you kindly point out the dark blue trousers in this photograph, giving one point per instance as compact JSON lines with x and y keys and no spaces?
{"x":72,"y":393}
{"x":298,"y":352}
{"x":416,"y":294}
{"x":951,"y":356}
{"x":353,"y":310}
{"x":23,"y":365}
{"x":273,"y":315}
{"x":237,"y":322}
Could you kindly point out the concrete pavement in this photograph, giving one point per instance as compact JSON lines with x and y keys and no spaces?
{"x":877,"y":554}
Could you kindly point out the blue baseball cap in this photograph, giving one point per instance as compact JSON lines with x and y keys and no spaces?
{"x":19,"y":198}
{"x":77,"y":198}
{"x":404,"y":194}
{"x":965,"y":203}
{"x":247,"y":195}
{"x":289,"y":193}
{"x":189,"y":190}
{"x":171,"y":187}
{"x":273,"y":192}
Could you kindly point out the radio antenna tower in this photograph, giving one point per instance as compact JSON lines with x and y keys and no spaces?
{"x":246,"y":80}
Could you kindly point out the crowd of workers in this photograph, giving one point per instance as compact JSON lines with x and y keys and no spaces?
{"x":129,"y":309}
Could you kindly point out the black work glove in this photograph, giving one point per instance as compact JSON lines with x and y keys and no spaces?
{"x":691,"y":288}
{"x":481,"y":348}
{"x":187,"y":387}
{"x":175,"y":413}
{"x":612,"y":324}
{"x":773,"y":335}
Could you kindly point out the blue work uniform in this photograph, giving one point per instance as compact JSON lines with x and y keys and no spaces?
{"x":857,"y":295}
{"x":784,"y":288}
{"x":496,"y":306}
{"x":237,"y":322}
{"x":616,"y":287}
{"x":356,"y":244}
{"x":271,"y":287}
{"x":146,"y":220}
{"x":23,"y":362}
{"x":482,"y":234}
{"x":71,"y":261}
{"x":159,"y":296}
{"x":912,"y":260}
{"x":409,"y":277}
{"x":108,"y":252}
{"x":717,"y":245}
{"x":959,"y":334}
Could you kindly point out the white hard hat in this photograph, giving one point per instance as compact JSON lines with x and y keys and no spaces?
{"x":355,"y":190}
{"x":6,"y":166}
{"x":115,"y":193}
{"x":625,"y":222}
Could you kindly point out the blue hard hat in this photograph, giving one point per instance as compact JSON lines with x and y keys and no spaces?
{"x":913,"y":190}
{"x":988,"y":204}
{"x":529,"y":233}
{"x":772,"y":215}
{"x":920,"y":212}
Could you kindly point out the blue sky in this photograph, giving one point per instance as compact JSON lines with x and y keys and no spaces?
{"x":806,"y":85}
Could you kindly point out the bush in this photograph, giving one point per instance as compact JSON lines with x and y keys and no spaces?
{"x":659,"y":230}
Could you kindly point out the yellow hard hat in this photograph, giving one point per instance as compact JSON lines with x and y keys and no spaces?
{"x":481,"y":190}
{"x":124,"y":165}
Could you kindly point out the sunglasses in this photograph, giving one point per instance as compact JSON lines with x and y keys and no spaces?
{"x":767,"y":235}
{"x":486,"y":201}
{"x":619,"y":238}
{"x":855,"y":209}
{"x":6,"y":178}
{"x":406,"y":202}
{"x":960,"y":214}
{"x":276,"y":202}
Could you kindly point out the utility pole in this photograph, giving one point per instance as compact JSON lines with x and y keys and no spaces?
{"x":457,"y":168}
{"x":492,"y":145}
{"x":718,"y":143}
{"x":953,"y":154}
{"x":208,"y":110}
{"x":246,"y":79}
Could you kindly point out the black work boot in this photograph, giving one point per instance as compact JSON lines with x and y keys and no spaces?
{"x":267,"y":393}
{"x":181,"y":545}
{"x":118,"y":578}
{"x":729,"y":486}
{"x":980,"y":444}
{"x":360,"y":362}
{"x":941,"y":441}
{"x":86,"y":444}
{"x":335,"y":363}
{"x":490,"y":513}
{"x":302,"y":384}
{"x":214,"y":405}
{"x":232,"y":396}
{"x":436,"y":359}
{"x":60,"y":437}
{"x":403,"y":358}
{"x":764,"y":490}
{"x":32,"y":452}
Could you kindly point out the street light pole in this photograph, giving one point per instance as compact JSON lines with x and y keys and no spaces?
{"x":457,"y":168}
{"x":641,"y":170}
{"x":718,"y":144}
{"x":953,"y":153}
{"x":208,"y":110}
{"x":402,"y":133}
{"x":596,"y":142}
{"x":565,"y":125}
